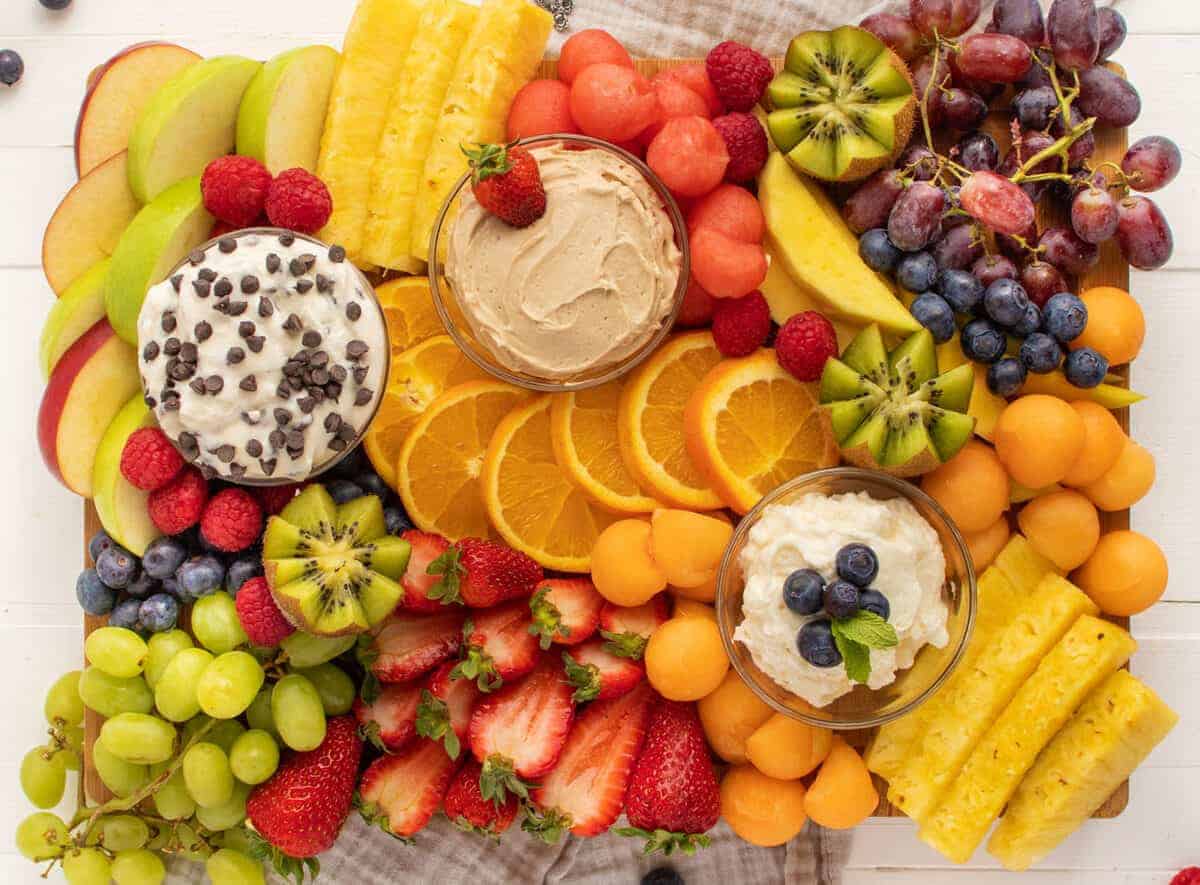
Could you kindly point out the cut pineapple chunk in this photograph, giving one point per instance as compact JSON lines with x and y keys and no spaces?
{"x":373,"y":57}
{"x":411,"y":119}
{"x":500,"y":56}
{"x":983,"y":691}
{"x":1111,"y":735}
{"x":1023,"y":565}
{"x":1090,"y":651}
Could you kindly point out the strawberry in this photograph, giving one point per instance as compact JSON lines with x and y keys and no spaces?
{"x":506,"y":181}
{"x":399,"y":794}
{"x":628,"y":628}
{"x":672,"y":797}
{"x":406,"y":646}
{"x":481,"y":574}
{"x":389,"y":721}
{"x":465,"y":806}
{"x":417,"y":580}
{"x":301,"y":808}
{"x":444,"y":713}
{"x":500,"y":646}
{"x":518,"y":733}
{"x":597,"y":674}
{"x":586,"y":789}
{"x":565,"y":610}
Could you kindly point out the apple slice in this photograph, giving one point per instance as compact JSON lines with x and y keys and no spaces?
{"x":79,"y":308}
{"x":156,"y":240}
{"x":89,"y":385}
{"x":117,"y":92}
{"x":283,"y":111}
{"x":188,"y":123}
{"x":120,"y":505}
{"x":87,"y":224}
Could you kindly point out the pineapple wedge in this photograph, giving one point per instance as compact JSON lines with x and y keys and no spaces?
{"x":411,"y":119}
{"x":1022,"y":565}
{"x":500,"y":56}
{"x":1087,"y":655}
{"x":1110,"y":735}
{"x":373,"y":57}
{"x":983,"y":691}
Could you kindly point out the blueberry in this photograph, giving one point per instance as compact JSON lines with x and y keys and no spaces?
{"x":931,"y":311}
{"x":143,"y":586}
{"x":11,"y":67}
{"x":1085,"y":367}
{"x":94,"y":598}
{"x":1004,"y":378}
{"x":1004,"y":301}
{"x":343,"y":490}
{"x":877,"y":251}
{"x":983,"y":342}
{"x":662,"y":876}
{"x":803,"y":591}
{"x":163,"y":556}
{"x":372,"y":484}
{"x":126,"y":614}
{"x":1030,"y":323}
{"x":241,"y":570}
{"x":1041,"y":353}
{"x":117,"y":567}
{"x":159,"y":613}
{"x":874,"y":601}
{"x":961,"y":289}
{"x":98,"y":544}
{"x":841,"y":599}
{"x":351,"y":465}
{"x":396,"y":520}
{"x":858,"y":564}
{"x":200,"y":576}
{"x":815,"y":641}
{"x":55,"y":4}
{"x":170,"y":585}
{"x":1064,"y":316}
{"x":918,"y":272}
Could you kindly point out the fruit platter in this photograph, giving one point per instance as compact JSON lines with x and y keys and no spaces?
{"x":600,"y":445}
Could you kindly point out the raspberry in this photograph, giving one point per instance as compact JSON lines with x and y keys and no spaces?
{"x":235,"y":189}
{"x":1187,"y":876}
{"x":746,"y":142}
{"x":299,"y":201}
{"x":739,"y":74}
{"x":741,"y":325}
{"x":177,"y":506}
{"x":232,"y":521}
{"x":149,"y":461}
{"x":804,"y":343}
{"x":261,"y":618}
{"x":273,"y":499}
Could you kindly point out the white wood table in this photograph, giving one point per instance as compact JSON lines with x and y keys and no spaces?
{"x":40,"y":623}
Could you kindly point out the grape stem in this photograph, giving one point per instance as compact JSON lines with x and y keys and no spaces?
{"x":933,"y":75}
{"x":1058,"y":149}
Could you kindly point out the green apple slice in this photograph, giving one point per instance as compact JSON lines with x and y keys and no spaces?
{"x":283,"y":110}
{"x":79,"y":308}
{"x":120,"y":505}
{"x":188,"y":123}
{"x":157,"y":239}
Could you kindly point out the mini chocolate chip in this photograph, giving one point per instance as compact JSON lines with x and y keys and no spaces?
{"x":214,"y":383}
{"x":223,"y":288}
{"x":324,"y":283}
{"x":332,"y":422}
{"x":227,"y":244}
{"x":197,"y":384}
{"x":248,"y":384}
{"x":308,"y":258}
{"x":249,"y":284}
{"x":283,"y":392}
{"x":311,"y":338}
{"x":337,"y":254}
{"x":317,"y":393}
{"x":295,"y":439}
{"x":303,"y":285}
{"x":320,"y":358}
{"x":363,"y":396}
{"x":203,"y":331}
{"x":273,"y":262}
{"x":188,"y":440}
{"x":170,"y":405}
{"x":150,"y":351}
{"x":255,"y":343}
{"x":296,"y":383}
{"x":196,"y":257}
{"x":225,"y":453}
{"x":306,"y":404}
{"x":207,"y":274}
{"x":347,"y":432}
{"x":150,"y":401}
{"x":292,"y":368}
{"x":171,"y":346}
{"x":353,"y":311}
{"x":357,"y":349}
{"x":177,"y":370}
{"x":360,"y":374}
{"x":282,"y":417}
{"x":189,"y":353}
{"x":176,"y":281}
{"x":277,"y":438}
{"x":207,"y":472}
{"x":296,"y":267}
{"x":237,"y":308}
{"x":292,"y":323}
{"x":320,"y":376}
{"x":234,"y":355}
{"x":295,"y":454}
{"x":237,"y":471}
{"x":333,"y":390}
{"x":245,"y":329}
{"x":338,"y":445}
{"x":254,"y":448}
{"x":286,"y":239}
{"x":265,"y":307}
{"x":339,"y":373}
{"x":268,"y":466}
{"x":202,"y":287}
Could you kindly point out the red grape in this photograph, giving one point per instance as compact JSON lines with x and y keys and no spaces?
{"x":1143,"y":233}
{"x":1032,"y":107}
{"x":870,"y":205}
{"x":1094,"y":215}
{"x":1112,"y":32}
{"x":986,"y":90}
{"x":958,"y":248}
{"x":1108,"y":97}
{"x":1011,"y":247}
{"x":997,"y":203}
{"x":1042,"y":280}
{"x":1067,"y":251}
{"x":1020,"y":18}
{"x":916,"y":217}
{"x":997,"y":58}
{"x":895,"y":31}
{"x":923,"y":72}
{"x":963,"y":110}
{"x":1151,"y":163}
{"x":1074,"y":32}
{"x":949,"y":18}
{"x":979,"y":151}
{"x":990,"y":268}
{"x":1028,"y":146}
{"x":1082,"y":147}
{"x":919,"y":162}
{"x":1037,"y":75}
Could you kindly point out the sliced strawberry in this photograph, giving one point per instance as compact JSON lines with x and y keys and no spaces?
{"x":465,"y":806}
{"x":586,"y":789}
{"x":444,"y":713}
{"x":598,"y":674}
{"x":565,"y":610}
{"x":628,"y":629}
{"x":390,"y":720}
{"x":417,"y":580}
{"x":400,"y":793}
{"x":500,"y":646}
{"x":481,"y":574}
{"x":406,"y":646}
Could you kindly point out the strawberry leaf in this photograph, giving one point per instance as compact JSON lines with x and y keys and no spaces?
{"x":433,"y":722}
{"x":479,"y":666}
{"x":548,"y":825}
{"x":369,"y":732}
{"x":855,"y":655}
{"x":467,"y":827}
{"x":625,"y":645}
{"x":452,"y":570}
{"x":585,"y":678}
{"x":547,"y":619}
{"x":497,"y":779}
{"x":294,"y":868}
{"x":487,"y":160}
{"x":370,"y":813}
{"x":666,"y":841}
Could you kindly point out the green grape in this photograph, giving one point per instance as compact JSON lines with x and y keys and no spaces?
{"x":63,"y":700}
{"x":117,"y":651}
{"x":225,"y":733}
{"x":72,"y":752}
{"x":237,"y":838}
{"x":87,"y":866}
{"x":160,"y":835}
{"x":43,"y":777}
{"x":258,"y":714}
{"x":230,"y":684}
{"x":305,"y":650}
{"x":69,"y":760}
{"x":227,"y":814}
{"x":333,"y":685}
{"x":121,"y":832}
{"x":207,"y":775}
{"x":110,"y":695}
{"x":137,"y":737}
{"x":121,"y":777}
{"x":175,"y":693}
{"x":161,"y":649}
{"x":254,"y":757}
{"x":229,"y":867}
{"x":42,"y":836}
{"x":172,"y":799}
{"x":138,"y":866}
{"x":297,"y":711}
{"x":190,"y":844}
{"x":216,"y":625}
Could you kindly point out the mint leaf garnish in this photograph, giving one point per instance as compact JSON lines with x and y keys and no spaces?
{"x":855,"y":655}
{"x":867,"y":628}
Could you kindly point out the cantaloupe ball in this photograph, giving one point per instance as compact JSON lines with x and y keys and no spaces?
{"x":685,"y":659}
{"x":783,"y":747}
{"x":1062,"y":526}
{"x":1125,"y":575}
{"x":972,"y":487}
{"x":730,"y":715}
{"x":986,"y":545}
{"x":1103,"y":441}
{"x":687,"y":547}
{"x":686,"y":607}
{"x":1038,"y":438}
{"x":623,"y":570}
{"x":1116,"y":326}
{"x":842,"y":796}
{"x":762,"y":810}
{"x":1126,"y":482}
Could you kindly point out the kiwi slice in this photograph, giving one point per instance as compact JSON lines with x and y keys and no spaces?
{"x":843,"y":106}
{"x":892,"y":411}
{"x":333,"y":570}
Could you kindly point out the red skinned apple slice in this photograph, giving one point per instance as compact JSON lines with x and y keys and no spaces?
{"x":87,"y":224}
{"x":120,"y":505}
{"x":117,"y":93}
{"x":93,"y":380}
{"x":79,"y":308}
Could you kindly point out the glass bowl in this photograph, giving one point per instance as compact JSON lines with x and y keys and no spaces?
{"x":449,"y":307}
{"x":863,"y":707}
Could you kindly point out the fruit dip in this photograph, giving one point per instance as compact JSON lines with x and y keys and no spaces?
{"x":263,"y":356}
{"x":807,"y":534}
{"x":585,"y":285}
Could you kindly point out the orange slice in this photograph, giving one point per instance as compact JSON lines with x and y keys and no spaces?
{"x":415,"y":379}
{"x":751,"y":426}
{"x":650,"y":421}
{"x":437,"y":473}
{"x":408,"y":308}
{"x":583,"y":427}
{"x":530,"y":499}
